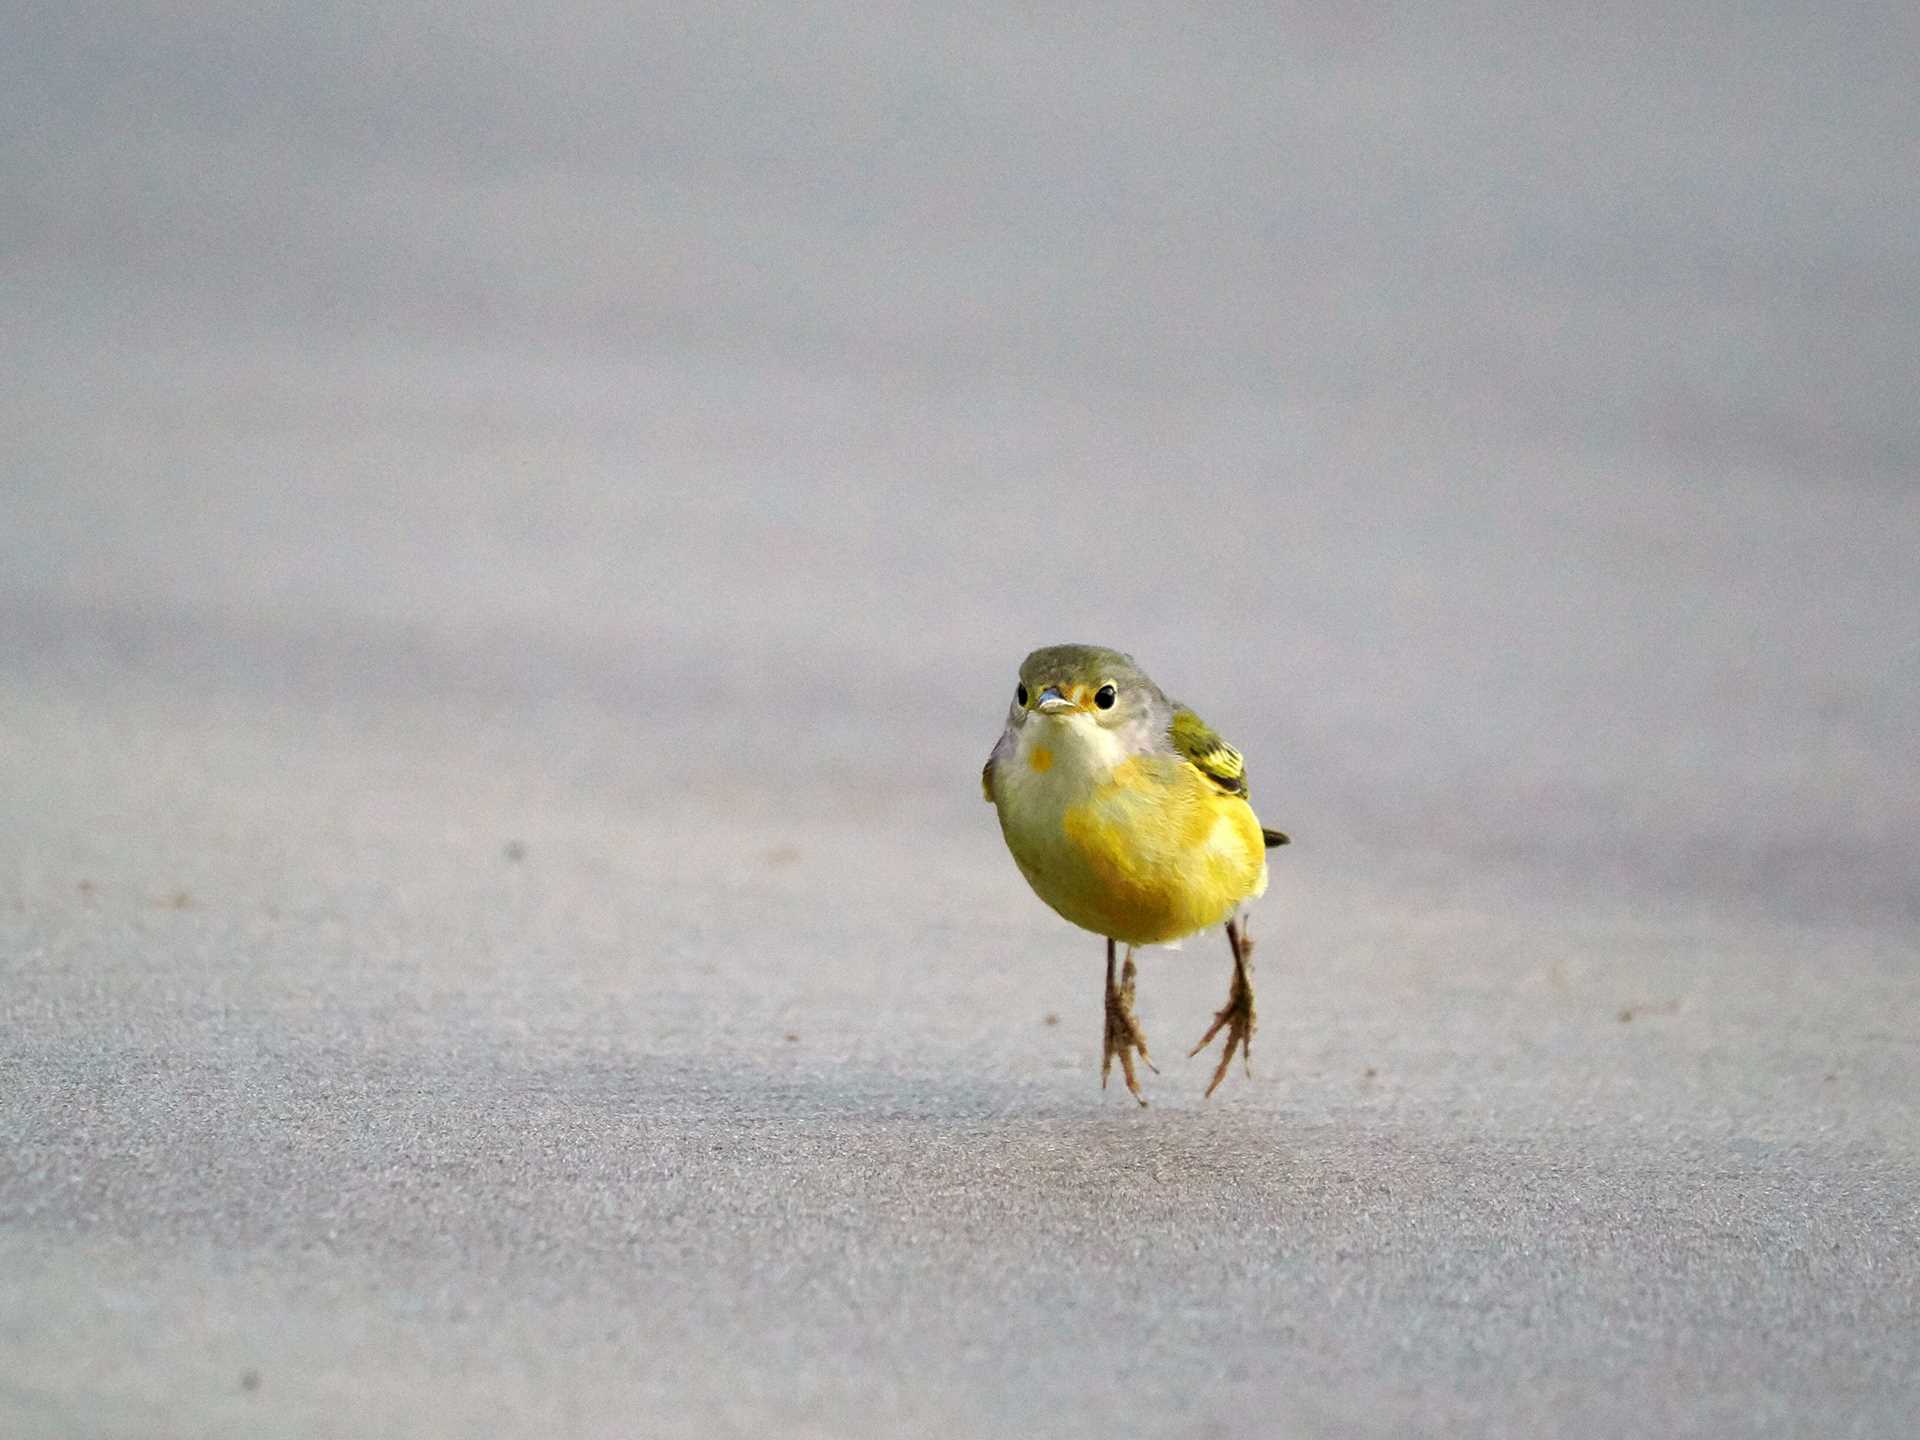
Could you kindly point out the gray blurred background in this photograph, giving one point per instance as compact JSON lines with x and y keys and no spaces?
{"x":515,"y":537}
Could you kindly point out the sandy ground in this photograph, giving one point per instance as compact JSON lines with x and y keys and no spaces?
{"x":514,"y":546}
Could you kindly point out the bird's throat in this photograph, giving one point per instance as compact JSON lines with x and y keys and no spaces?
{"x":1070,"y":754}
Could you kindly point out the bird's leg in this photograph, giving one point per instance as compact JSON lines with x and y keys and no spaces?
{"x":1237,"y":1014}
{"x":1124,"y":1035}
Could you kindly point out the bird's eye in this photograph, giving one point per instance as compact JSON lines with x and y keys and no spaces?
{"x":1105,"y":696}
{"x":1020,"y":694}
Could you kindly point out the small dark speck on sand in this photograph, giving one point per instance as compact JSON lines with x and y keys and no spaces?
{"x":792,"y":1038}
{"x":179,"y":900}
{"x":1633,"y":1012}
{"x":86,"y":887}
{"x":1050,"y":1018}
{"x":249,"y":1380}
{"x":514,"y":850}
{"x":1370,"y":1073}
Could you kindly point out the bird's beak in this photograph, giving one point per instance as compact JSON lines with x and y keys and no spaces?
{"x":1052,"y":702}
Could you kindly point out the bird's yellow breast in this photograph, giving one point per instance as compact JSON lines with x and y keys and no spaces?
{"x":1141,"y":848}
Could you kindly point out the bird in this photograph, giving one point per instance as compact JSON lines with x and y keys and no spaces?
{"x":1129,"y":816}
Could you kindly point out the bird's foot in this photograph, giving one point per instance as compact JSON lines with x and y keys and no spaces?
{"x":1124,"y":1035}
{"x":1236,"y":1017}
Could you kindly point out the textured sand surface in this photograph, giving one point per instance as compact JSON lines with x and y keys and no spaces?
{"x":514,"y":544}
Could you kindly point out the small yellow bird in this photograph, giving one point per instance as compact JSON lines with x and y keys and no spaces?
{"x":1129,"y":816}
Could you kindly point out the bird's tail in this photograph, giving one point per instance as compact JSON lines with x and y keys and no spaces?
{"x":1273,"y":838}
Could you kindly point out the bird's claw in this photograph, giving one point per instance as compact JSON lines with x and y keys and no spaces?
{"x":1236,"y":1016}
{"x":1124,"y":1035}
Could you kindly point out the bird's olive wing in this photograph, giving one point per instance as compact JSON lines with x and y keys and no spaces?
{"x":1213,"y":757}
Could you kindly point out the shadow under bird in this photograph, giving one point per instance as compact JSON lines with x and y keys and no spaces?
{"x":1129,"y":816}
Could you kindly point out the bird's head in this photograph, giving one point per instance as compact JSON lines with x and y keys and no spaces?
{"x":1078,"y":685}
